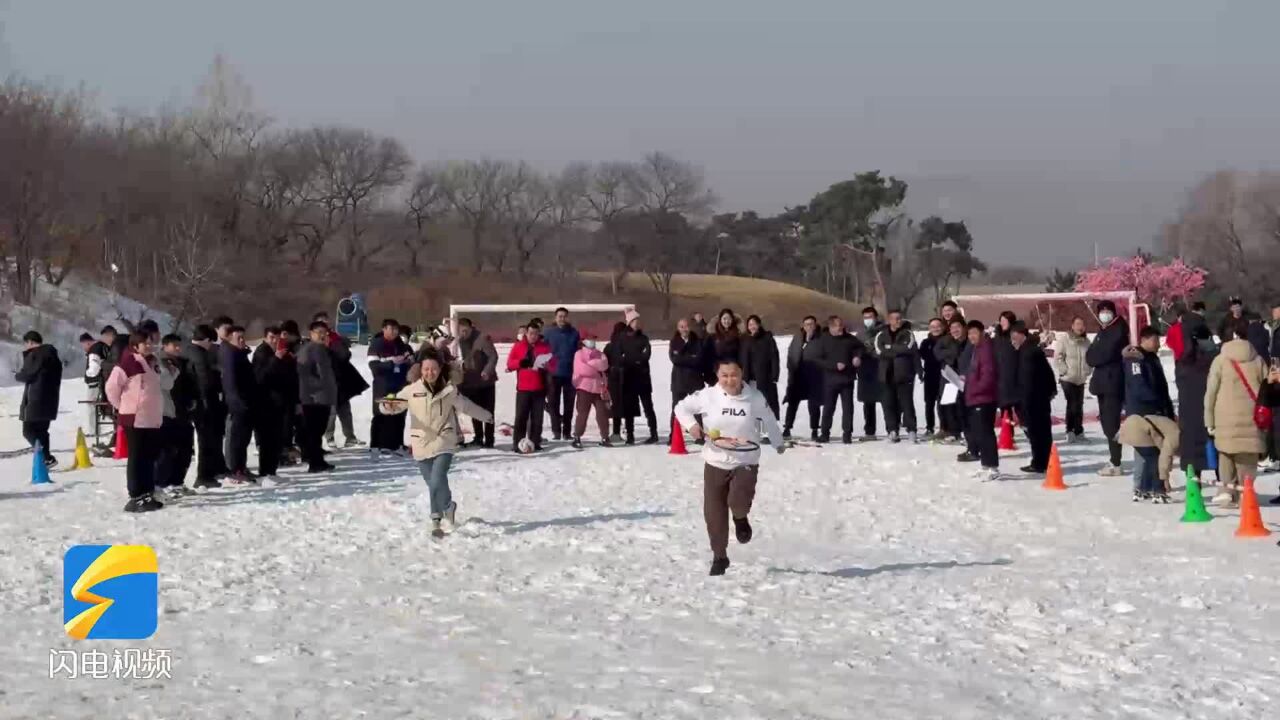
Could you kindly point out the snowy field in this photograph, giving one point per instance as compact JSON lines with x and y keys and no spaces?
{"x":884,"y":582}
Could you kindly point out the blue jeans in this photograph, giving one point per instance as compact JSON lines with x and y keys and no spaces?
{"x":1146,"y":470}
{"x":435,"y":470}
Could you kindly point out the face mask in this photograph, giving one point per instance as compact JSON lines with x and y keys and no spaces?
{"x":1105,"y":317}
{"x":868,"y":322}
{"x":589,"y":344}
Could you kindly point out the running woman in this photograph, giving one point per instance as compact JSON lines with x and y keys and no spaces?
{"x":731,"y":413}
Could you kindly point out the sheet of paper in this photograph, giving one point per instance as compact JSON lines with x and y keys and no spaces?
{"x":541,"y":361}
{"x":953,"y":377}
{"x":950,"y":393}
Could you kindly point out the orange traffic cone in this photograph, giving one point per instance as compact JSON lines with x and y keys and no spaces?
{"x":122,"y":445}
{"x":1053,"y":476}
{"x":677,"y":439}
{"x":1250,"y":515}
{"x":1006,"y":434}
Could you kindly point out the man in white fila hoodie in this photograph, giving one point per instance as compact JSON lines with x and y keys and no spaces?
{"x":731,"y":411}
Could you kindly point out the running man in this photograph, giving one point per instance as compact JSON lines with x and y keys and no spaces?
{"x":731,"y":414}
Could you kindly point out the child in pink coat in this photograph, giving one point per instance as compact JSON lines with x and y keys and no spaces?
{"x":135,"y":392}
{"x":590,"y":379}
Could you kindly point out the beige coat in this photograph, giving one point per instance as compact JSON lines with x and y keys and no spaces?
{"x":433,"y":418}
{"x":1228,"y":410}
{"x":1068,"y":358}
{"x":1152,"y":431}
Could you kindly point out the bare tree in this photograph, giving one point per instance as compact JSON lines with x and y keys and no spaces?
{"x":193,"y":267}
{"x":474,"y":191}
{"x":607,"y":195}
{"x":425,"y":208}
{"x":356,"y":170}
{"x":667,"y":192}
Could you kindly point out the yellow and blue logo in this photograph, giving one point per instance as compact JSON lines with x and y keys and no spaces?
{"x":109,"y":592}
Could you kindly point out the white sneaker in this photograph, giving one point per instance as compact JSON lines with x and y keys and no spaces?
{"x":449,"y":522}
{"x":1223,"y":499}
{"x":1111,"y":471}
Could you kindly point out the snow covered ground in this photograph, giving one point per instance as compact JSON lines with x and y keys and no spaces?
{"x":884,"y":581}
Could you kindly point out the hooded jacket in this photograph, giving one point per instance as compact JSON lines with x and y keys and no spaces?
{"x":1008,"y":392}
{"x":1146,"y":390}
{"x":433,"y":417}
{"x":94,"y":362}
{"x":239,"y":390}
{"x":733,"y":416}
{"x":1105,"y":356}
{"x":1069,"y":352}
{"x":1037,"y":385}
{"x":208,"y":380}
{"x":804,"y":371}
{"x":134,"y":390}
{"x":316,"y":382}
{"x":41,"y":373}
{"x":1228,"y":409}
{"x":591,"y":371}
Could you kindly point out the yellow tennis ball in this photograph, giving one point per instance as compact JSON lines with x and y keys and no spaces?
{"x":714,"y":433}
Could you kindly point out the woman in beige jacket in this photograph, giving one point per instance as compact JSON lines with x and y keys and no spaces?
{"x":1228,"y":415}
{"x":433,"y":403}
{"x":1069,"y":349}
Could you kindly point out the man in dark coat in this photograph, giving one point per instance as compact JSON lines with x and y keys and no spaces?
{"x":899,"y":357}
{"x":947,"y":351}
{"x":621,"y":403}
{"x":275,"y":372}
{"x":564,"y":340}
{"x":179,"y":437}
{"x":804,"y":377}
{"x":686,"y":353}
{"x":479,"y":361}
{"x":932,"y":377}
{"x":389,"y":358}
{"x":210,"y":415}
{"x":870,"y":391}
{"x":636,"y":380}
{"x":1006,"y":363}
{"x":240,"y":393}
{"x":1037,"y":387}
{"x":351,"y":384}
{"x":1105,"y":356}
{"x":1235,"y":324}
{"x":41,"y":374}
{"x":840,"y":354}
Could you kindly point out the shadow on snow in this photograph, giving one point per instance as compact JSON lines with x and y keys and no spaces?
{"x":857,"y":572}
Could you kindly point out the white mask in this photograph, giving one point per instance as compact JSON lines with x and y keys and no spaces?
{"x":868,"y":322}
{"x":1105,"y":317}
{"x":589,"y":344}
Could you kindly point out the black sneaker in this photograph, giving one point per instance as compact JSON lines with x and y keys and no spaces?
{"x":742,"y":530}
{"x":631,"y":439}
{"x":719,"y":565}
{"x":605,"y":443}
{"x":868,"y":438}
{"x":1275,"y":500}
{"x":555,"y":436}
{"x":1160,"y":498}
{"x":1031,"y":469}
{"x":576,"y":444}
{"x":323,"y":467}
{"x":847,"y":439}
{"x":50,"y":462}
{"x":653,"y":440}
{"x":822,"y":438}
{"x":894,"y":437}
{"x":143,"y":503}
{"x":206,"y":484}
{"x":814,"y":436}
{"x":966,"y":457}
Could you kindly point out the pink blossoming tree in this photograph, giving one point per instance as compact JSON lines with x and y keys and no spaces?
{"x":1156,"y":284}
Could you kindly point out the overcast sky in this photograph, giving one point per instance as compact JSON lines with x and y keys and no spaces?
{"x":1048,"y":126}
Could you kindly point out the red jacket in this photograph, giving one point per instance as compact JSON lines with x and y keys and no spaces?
{"x":982,"y":383}
{"x":529,"y":378}
{"x":1174,"y":339}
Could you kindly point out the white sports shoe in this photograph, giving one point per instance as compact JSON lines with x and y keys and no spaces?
{"x":1111,"y":471}
{"x":1223,"y":499}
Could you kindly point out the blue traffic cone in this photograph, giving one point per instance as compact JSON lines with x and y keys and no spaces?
{"x":39,"y":473}
{"x":1211,"y":456}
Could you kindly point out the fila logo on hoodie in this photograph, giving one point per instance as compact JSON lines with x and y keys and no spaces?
{"x":736,"y":416}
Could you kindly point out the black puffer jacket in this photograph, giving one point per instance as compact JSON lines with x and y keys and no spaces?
{"x":41,"y":372}
{"x":1038,"y":382}
{"x":760,"y":358}
{"x":898,"y":354}
{"x":686,"y":365}
{"x":277,"y":378}
{"x":635,"y":363}
{"x":1008,"y":390}
{"x":208,"y":379}
{"x":836,"y":349}
{"x":869,"y":371}
{"x":1105,"y":356}
{"x":929,"y":359}
{"x":804,"y":373}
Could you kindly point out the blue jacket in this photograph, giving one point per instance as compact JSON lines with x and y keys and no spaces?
{"x":564,"y":343}
{"x":1146,"y":391}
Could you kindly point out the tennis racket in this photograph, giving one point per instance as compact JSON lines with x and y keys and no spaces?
{"x":735,"y":444}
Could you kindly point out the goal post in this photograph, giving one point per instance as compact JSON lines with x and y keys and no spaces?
{"x":1055,"y":311}
{"x":457,"y":311}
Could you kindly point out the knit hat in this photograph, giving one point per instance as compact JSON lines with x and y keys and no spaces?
{"x":631,"y":315}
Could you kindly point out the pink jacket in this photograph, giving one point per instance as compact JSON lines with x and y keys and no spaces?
{"x":589,"y":368}
{"x":135,"y":392}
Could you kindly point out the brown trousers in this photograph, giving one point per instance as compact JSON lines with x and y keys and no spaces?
{"x":725,"y":492}
{"x":585,"y":401}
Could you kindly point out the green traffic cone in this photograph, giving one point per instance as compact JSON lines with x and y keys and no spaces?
{"x":1195,"y":512}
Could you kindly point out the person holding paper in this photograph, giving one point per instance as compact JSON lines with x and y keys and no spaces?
{"x":531,"y":360}
{"x":948,"y":350}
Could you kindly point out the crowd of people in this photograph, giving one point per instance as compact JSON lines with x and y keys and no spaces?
{"x":203,"y":400}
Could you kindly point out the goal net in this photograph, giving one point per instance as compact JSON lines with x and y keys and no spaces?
{"x":1055,"y":311}
{"x":593,"y":320}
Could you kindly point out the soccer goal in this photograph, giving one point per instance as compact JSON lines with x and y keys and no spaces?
{"x":1055,"y":311}
{"x":600,"y":328}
